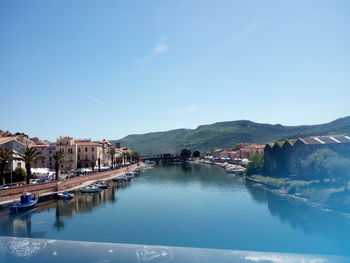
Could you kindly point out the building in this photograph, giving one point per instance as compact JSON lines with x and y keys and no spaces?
{"x":123,"y":151}
{"x":83,"y":153}
{"x":216,"y":153}
{"x":245,"y":150}
{"x":106,"y":158}
{"x":13,"y":146}
{"x":45,"y":150}
{"x":241,"y":151}
{"x":284,"y":158}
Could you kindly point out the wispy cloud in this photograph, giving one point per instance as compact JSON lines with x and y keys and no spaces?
{"x":247,"y":31}
{"x":187,"y":109}
{"x":160,"y":47}
{"x":95,"y":100}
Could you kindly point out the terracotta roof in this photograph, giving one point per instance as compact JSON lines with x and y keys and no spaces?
{"x":259,"y":146}
{"x":86,"y":143}
{"x":40,"y":145}
{"x":106,"y":142}
{"x":7,"y":139}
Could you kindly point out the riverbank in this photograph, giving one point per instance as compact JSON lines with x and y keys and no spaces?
{"x":327,"y":197}
{"x":237,"y":169}
{"x":49,"y":190}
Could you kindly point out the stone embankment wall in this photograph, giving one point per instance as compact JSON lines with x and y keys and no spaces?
{"x":72,"y":182}
{"x":15,"y":192}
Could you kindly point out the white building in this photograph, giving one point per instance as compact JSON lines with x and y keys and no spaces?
{"x":13,"y":146}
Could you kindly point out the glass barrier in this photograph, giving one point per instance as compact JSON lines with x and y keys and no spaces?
{"x":43,"y":250}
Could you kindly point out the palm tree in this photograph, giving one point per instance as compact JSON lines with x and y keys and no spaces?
{"x":5,"y":157}
{"x":128,"y":156}
{"x":112,"y":153}
{"x":119,"y":159}
{"x":57,"y":156}
{"x":28,"y":156}
{"x":135,"y":156}
{"x":124,"y":157}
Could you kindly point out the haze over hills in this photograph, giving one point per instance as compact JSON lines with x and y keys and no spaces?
{"x":226,"y":135}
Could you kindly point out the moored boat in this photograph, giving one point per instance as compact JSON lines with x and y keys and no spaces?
{"x":138,"y":170}
{"x":65,"y":195}
{"x":27,"y":201}
{"x":130,"y":174}
{"x":101,"y":184}
{"x":89,"y":189}
{"x":121,"y":179}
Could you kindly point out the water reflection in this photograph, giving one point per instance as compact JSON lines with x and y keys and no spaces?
{"x":311,"y":220}
{"x":207,"y":176}
{"x":20,"y":225}
{"x":204,"y":206}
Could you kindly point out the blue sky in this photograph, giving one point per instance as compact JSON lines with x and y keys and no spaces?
{"x":105,"y":69}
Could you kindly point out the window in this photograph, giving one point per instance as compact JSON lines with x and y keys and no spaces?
{"x":78,"y":157}
{"x":19,"y":165}
{"x":79,"y":149}
{"x":85,"y":149}
{"x":92,"y":149}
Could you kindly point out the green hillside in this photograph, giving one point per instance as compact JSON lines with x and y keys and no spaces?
{"x":226,"y":135}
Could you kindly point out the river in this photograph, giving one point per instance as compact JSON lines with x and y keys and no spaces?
{"x":191,"y":206}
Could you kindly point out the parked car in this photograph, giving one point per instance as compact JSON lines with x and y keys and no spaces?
{"x":34,"y":181}
{"x":9,"y":185}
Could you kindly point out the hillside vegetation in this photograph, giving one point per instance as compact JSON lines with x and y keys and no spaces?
{"x":226,"y":135}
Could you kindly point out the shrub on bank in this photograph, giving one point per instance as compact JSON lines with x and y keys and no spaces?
{"x":255,"y":165}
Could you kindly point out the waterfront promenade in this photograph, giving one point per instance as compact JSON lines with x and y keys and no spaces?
{"x":47,"y":190}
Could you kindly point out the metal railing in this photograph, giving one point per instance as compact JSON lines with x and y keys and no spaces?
{"x":43,"y":250}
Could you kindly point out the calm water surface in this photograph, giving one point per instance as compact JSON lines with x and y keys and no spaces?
{"x":193,"y":205}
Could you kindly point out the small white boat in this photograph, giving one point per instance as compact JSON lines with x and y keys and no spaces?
{"x":65,"y":195}
{"x":101,"y":184}
{"x":122,"y":179}
{"x":130,"y":174}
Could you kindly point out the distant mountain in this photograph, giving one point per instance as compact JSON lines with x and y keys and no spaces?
{"x":226,"y":135}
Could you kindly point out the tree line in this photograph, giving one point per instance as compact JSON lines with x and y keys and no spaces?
{"x":324,"y":165}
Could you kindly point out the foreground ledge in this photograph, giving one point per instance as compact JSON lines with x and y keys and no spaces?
{"x":44,"y":250}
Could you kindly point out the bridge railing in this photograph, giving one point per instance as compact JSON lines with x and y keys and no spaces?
{"x":44,"y":250}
